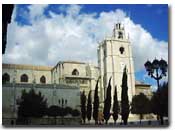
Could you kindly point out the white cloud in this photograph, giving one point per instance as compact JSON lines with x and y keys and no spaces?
{"x":36,"y":11}
{"x":144,"y":45}
{"x":75,"y":36}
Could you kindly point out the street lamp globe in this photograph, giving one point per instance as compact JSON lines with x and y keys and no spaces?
{"x":159,"y":67}
{"x":163,"y":66}
{"x":155,"y":64}
{"x":148,"y":66}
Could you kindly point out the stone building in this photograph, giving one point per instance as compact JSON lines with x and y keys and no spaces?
{"x":54,"y":93}
{"x":114,"y":53}
{"x":16,"y":78}
{"x":141,"y":87}
{"x":81,"y":74}
{"x":71,"y":73}
{"x":67,"y":79}
{"x":26,"y":74}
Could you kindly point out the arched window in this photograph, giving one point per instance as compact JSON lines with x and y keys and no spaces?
{"x":75,"y":72}
{"x":5,"y":78}
{"x":122,"y":49}
{"x":24,"y":78}
{"x":120,"y":35}
{"x":43,"y":79}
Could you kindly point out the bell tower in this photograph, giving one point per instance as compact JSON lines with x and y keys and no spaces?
{"x":118,"y":32}
{"x":114,"y":53}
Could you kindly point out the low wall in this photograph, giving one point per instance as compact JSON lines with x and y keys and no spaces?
{"x":43,"y":121}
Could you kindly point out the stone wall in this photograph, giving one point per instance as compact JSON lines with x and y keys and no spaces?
{"x":12,"y":92}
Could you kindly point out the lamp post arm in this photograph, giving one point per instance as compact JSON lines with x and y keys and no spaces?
{"x":154,"y":77}
{"x":158,"y":78}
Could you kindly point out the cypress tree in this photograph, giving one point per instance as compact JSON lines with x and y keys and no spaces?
{"x":115,"y":106}
{"x":107,"y":104}
{"x":83,"y":107}
{"x":96,"y":104}
{"x":89,"y":106}
{"x":124,"y":98}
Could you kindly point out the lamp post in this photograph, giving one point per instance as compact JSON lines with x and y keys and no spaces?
{"x":156,"y":69}
{"x":63,"y":103}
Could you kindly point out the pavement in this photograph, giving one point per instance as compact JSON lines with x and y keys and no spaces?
{"x":144,"y":123}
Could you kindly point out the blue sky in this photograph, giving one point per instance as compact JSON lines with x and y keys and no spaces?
{"x":153,"y":18}
{"x":146,"y":24}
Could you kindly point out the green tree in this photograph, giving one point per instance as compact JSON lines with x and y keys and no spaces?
{"x":96,"y":104}
{"x":68,"y":110}
{"x":32,"y":105}
{"x":140,"y":105}
{"x":83,"y":106}
{"x":54,"y":111}
{"x":159,"y":102}
{"x":115,"y":106}
{"x":75,"y":112}
{"x":89,"y":107}
{"x":107,"y":103}
{"x":124,"y":98}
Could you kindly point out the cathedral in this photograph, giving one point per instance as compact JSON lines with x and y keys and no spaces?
{"x":67,"y":79}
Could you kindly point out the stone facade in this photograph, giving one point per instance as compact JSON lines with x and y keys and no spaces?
{"x":11,"y":93}
{"x":141,"y":87}
{"x":68,"y":78}
{"x":72,"y":73}
{"x":81,"y":74}
{"x":114,"y":54}
{"x":34,"y":73}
